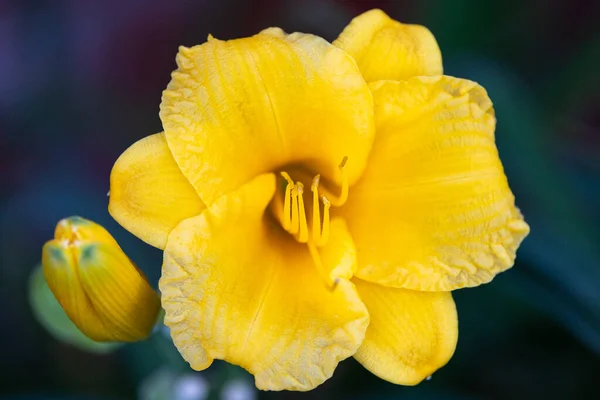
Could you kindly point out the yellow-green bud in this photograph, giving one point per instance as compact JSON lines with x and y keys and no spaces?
{"x":105,"y":295}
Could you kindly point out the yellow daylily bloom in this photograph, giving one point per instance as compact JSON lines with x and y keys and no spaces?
{"x":100,"y":289}
{"x":318,"y":201}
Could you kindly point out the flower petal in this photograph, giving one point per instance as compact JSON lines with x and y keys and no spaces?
{"x":149,"y":195}
{"x":61,"y":275}
{"x":339,"y":254}
{"x":411,"y":334}
{"x":433,"y":210}
{"x":51,"y":315}
{"x":119,"y":292}
{"x":387,"y":49}
{"x":235,"y":109}
{"x":236,"y":287}
{"x":100,"y":289}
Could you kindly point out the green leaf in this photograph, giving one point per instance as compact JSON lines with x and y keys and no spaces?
{"x":53,"y":318}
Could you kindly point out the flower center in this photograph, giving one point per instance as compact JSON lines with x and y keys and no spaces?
{"x":306,"y":217}
{"x":296,"y":212}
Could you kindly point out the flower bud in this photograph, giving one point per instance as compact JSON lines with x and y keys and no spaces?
{"x":105,"y":295}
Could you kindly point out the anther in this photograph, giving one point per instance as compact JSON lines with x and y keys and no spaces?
{"x":343,"y":163}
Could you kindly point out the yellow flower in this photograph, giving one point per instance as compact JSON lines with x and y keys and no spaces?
{"x":317,"y":201}
{"x":99,"y":288}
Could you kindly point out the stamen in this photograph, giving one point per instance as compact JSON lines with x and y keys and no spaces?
{"x":286,"y":201}
{"x":294,"y":220}
{"x":331,"y":284}
{"x":295,"y":224}
{"x":316,"y":223}
{"x":325,"y":231}
{"x":303,"y":234}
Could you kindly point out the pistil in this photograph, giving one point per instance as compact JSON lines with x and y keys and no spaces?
{"x":339,"y":200}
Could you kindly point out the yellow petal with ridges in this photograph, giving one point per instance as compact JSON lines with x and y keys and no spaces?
{"x":99,"y":288}
{"x":433,"y":210}
{"x":411,"y":334}
{"x":387,"y":49}
{"x":236,"y":287}
{"x":239,"y":108}
{"x":149,"y":195}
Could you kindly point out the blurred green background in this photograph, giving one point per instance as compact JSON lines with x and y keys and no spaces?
{"x":81,"y":80}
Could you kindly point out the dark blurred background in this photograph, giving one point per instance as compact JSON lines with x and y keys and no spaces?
{"x":82,"y":80}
